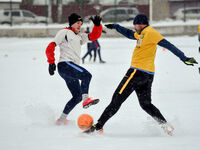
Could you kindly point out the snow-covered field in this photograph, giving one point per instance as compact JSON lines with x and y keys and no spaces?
{"x":31,"y":100}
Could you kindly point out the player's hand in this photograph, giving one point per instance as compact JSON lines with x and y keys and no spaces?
{"x":96,"y":20}
{"x":52,"y":68}
{"x":190,"y":61}
{"x":109,"y":26}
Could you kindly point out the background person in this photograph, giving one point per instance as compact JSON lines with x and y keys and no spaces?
{"x":94,"y":45}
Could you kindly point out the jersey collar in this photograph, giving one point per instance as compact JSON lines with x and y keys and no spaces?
{"x":144,"y":29}
{"x":70,"y":28}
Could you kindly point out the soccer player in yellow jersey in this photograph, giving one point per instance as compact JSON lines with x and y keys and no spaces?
{"x":139,"y":76}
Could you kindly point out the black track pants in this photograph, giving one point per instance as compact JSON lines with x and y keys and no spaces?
{"x":141,"y":83}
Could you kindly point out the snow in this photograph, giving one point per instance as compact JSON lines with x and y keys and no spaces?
{"x":31,"y":100}
{"x":171,"y":22}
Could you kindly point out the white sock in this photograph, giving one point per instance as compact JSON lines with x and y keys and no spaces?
{"x":63,"y":116}
{"x":84,"y":97}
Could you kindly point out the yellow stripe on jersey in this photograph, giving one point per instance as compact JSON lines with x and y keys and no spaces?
{"x":127,"y":81}
{"x":145,"y":51}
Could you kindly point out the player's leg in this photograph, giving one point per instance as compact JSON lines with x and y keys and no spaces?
{"x":95,"y":54}
{"x":78,"y":72}
{"x":75,"y":89}
{"x":144,"y":96}
{"x":88,"y":46}
{"x":92,"y":46}
{"x":98,"y":47}
{"x":124,"y":89}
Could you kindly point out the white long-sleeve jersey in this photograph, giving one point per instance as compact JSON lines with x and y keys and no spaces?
{"x":70,"y":45}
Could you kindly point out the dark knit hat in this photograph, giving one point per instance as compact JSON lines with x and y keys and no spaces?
{"x":141,"y":19}
{"x":73,"y":18}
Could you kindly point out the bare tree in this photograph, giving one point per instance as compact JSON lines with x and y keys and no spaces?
{"x":59,"y":2}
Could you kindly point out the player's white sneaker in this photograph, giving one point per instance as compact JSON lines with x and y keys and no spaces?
{"x":62,"y":121}
{"x":168,"y":128}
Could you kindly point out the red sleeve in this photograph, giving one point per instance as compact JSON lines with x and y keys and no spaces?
{"x":96,"y":33}
{"x":50,"y":52}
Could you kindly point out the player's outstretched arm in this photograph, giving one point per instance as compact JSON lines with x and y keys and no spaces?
{"x":124,"y":31}
{"x":166,"y":44}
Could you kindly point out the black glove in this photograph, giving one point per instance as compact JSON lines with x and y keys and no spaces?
{"x":52,"y":68}
{"x":190,"y":61}
{"x":109,"y":26}
{"x":96,"y":20}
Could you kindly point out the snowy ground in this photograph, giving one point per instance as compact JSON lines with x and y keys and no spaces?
{"x":31,"y":100}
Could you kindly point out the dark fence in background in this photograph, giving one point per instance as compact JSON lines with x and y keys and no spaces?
{"x":86,"y":10}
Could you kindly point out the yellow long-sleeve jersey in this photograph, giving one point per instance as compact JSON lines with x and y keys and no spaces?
{"x":144,"y":54}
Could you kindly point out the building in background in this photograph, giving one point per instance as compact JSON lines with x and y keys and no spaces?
{"x":6,"y":4}
{"x":174,"y":5}
{"x":163,"y":9}
{"x":159,"y":10}
{"x":59,"y":10}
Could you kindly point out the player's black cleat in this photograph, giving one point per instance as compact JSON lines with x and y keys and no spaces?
{"x":94,"y":129}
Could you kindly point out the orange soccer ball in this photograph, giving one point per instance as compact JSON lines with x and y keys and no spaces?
{"x":85,"y":121}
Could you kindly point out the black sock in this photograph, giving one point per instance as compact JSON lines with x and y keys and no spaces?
{"x":98,"y":126}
